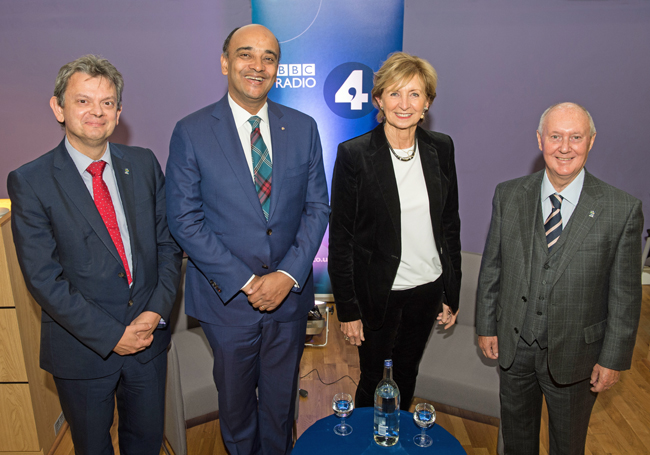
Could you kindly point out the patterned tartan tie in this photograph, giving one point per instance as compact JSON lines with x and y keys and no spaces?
{"x":553,"y":224}
{"x":107,"y":210}
{"x":262,"y":166}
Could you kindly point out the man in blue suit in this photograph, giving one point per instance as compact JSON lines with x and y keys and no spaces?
{"x":90,"y":228}
{"x":247,"y":201}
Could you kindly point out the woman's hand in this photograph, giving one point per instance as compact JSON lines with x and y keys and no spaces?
{"x":447,"y":317}
{"x":353,"y":332}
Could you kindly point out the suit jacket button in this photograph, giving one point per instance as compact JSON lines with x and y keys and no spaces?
{"x":524,"y":299}
{"x":269,"y":231}
{"x":121,"y":275}
{"x":264,"y":266}
{"x":218,"y":289}
{"x":130,"y":302}
{"x":546,"y":266}
{"x":516,"y":330}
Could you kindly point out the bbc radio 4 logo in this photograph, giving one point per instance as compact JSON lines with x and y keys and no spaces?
{"x":296,"y":75}
{"x":347,"y":90}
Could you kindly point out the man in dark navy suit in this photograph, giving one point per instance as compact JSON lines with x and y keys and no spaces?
{"x":90,"y":228}
{"x":248,"y":203}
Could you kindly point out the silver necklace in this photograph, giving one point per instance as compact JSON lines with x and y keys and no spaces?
{"x":408,"y":157}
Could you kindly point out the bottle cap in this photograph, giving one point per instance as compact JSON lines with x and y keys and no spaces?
{"x":388,"y":363}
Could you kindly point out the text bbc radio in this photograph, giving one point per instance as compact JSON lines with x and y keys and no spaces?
{"x":296,"y":75}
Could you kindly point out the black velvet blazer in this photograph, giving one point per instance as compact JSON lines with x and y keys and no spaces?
{"x":365,"y":231}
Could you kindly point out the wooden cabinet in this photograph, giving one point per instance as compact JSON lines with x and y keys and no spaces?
{"x":29,"y":405}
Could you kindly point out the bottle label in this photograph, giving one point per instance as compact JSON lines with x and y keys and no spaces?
{"x":382,"y":429}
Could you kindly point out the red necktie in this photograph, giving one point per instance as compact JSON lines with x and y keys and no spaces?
{"x":107,"y":211}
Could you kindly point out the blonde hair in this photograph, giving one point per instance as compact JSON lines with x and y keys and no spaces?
{"x":399,"y":69}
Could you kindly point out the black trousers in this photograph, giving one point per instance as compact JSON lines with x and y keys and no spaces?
{"x":410,"y":316}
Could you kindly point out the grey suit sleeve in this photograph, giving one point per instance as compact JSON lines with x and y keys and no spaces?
{"x":625,"y":296}
{"x":489,"y":279}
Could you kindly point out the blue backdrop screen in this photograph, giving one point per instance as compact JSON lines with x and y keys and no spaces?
{"x":330,"y":49}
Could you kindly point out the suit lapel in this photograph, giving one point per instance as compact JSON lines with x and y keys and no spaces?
{"x":225,"y":132}
{"x":383,"y":167}
{"x":433,"y":180}
{"x":279,"y":133}
{"x":584,"y":217}
{"x":124,"y":177}
{"x":67,"y":176}
{"x":528,"y":206}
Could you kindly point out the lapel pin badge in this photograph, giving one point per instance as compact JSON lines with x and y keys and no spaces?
{"x":126,"y":171}
{"x":591,"y":214}
{"x":282,"y":128}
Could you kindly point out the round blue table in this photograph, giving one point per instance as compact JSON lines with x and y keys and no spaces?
{"x":320,"y":438}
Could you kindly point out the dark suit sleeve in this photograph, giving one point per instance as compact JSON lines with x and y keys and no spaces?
{"x":451,"y":223}
{"x":169,"y":253}
{"x":625,"y":296}
{"x":342,"y":224}
{"x":187,"y":222}
{"x":298,"y":260}
{"x":45,"y":278}
{"x":489,"y":278}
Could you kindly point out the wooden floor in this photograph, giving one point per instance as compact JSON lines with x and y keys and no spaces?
{"x":620,"y":422}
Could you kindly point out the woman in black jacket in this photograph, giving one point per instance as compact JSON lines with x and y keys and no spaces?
{"x":394,"y":251}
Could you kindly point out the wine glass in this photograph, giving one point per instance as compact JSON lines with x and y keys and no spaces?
{"x":424,"y":417}
{"x":343,"y":406}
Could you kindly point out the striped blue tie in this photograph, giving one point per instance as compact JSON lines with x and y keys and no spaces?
{"x":262,"y":166}
{"x":553,"y":224}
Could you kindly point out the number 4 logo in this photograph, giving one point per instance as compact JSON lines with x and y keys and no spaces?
{"x":352,"y":91}
{"x":343,"y":90}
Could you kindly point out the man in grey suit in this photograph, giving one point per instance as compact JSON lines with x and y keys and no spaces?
{"x":559,"y":293}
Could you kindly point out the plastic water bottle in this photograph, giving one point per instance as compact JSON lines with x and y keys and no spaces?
{"x":387,"y":399}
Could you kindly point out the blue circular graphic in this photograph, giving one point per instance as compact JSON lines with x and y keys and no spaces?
{"x":288,"y":19}
{"x":347,"y":90}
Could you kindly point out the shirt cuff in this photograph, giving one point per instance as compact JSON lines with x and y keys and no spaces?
{"x":295,"y":283}
{"x":248,"y":282}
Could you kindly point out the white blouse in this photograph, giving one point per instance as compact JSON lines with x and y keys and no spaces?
{"x":419,"y":262}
